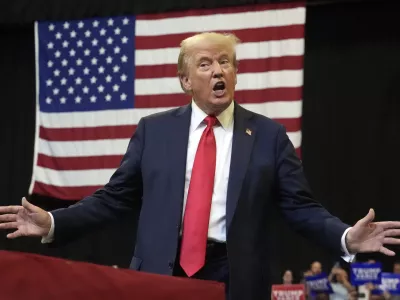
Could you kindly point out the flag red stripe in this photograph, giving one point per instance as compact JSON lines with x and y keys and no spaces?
{"x":79,"y":163}
{"x":245,"y":66}
{"x":247,"y":96}
{"x":224,"y":10}
{"x":251,"y":35}
{"x":64,"y":193}
{"x":87,"y":133}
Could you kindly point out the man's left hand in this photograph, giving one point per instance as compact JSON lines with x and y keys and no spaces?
{"x":369,"y":236}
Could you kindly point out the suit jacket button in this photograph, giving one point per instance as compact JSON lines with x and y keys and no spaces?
{"x":171,"y":264}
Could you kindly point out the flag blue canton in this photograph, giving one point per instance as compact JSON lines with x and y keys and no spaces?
{"x":86,"y":65}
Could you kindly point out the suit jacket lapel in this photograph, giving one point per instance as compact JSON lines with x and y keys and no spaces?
{"x":243,"y":138}
{"x":176,"y":154}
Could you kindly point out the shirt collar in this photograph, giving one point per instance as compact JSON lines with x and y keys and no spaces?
{"x":225,"y":118}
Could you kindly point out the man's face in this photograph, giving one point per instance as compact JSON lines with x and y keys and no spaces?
{"x":396,"y":268}
{"x":211,"y":75}
{"x":316,"y":268}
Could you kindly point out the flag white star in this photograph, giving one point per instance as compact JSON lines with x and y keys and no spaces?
{"x":58,"y":35}
{"x":95,"y":42}
{"x":79,"y":43}
{"x":50,"y":45}
{"x":56,"y":91}
{"x":78,"y":80}
{"x":78,"y":99}
{"x":101,"y":70}
{"x":124,"y":59}
{"x":48,"y":100}
{"x":95,"y":23}
{"x":56,"y":73}
{"x":66,"y":25}
{"x":116,"y":69}
{"x":73,"y":34}
{"x":85,"y":90}
{"x":124,"y":40}
{"x":109,"y":59}
{"x":93,"y":99}
{"x":79,"y":62}
{"x":87,"y":33}
{"x":110,"y":22}
{"x":71,"y":71}
{"x":117,"y":50}
{"x":72,"y":52}
{"x":63,"y":81}
{"x":86,"y":71}
{"x":51,"y":27}
{"x":70,"y":90}
{"x":93,"y":80}
{"x":86,"y":52}
{"x":94,"y":61}
{"x":80,"y":24}
{"x":64,"y":62}
{"x":108,"y":78}
{"x":110,"y":41}
{"x":65,"y":44}
{"x":63,"y":100}
{"x":100,"y":89}
{"x":108,"y":98}
{"x":123,"y":97}
{"x":123,"y":77}
{"x":49,"y":63}
{"x":102,"y":51}
{"x":57,"y":54}
{"x":103,"y":32}
{"x":115,"y":87}
{"x":49,"y":82}
{"x":125,"y":21}
{"x":117,"y":31}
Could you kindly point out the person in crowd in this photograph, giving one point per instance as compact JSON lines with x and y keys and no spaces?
{"x":287,"y":277}
{"x":209,"y":176}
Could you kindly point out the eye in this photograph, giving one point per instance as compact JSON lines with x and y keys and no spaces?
{"x":203,"y":64}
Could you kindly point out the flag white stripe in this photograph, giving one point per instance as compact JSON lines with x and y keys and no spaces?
{"x":245,"y":81}
{"x":273,"y":110}
{"x":106,"y":147}
{"x":73,"y":178}
{"x":217,"y":22}
{"x":259,"y":50}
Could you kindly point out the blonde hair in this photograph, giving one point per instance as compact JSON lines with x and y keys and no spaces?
{"x":228,"y":39}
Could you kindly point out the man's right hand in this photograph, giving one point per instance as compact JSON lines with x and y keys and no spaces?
{"x":28,"y":220}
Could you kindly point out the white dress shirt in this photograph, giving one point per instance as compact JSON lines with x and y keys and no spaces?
{"x":223,"y":135}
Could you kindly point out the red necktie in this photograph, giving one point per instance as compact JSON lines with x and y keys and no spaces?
{"x":198,"y":205}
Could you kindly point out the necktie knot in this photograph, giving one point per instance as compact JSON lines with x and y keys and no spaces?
{"x":211,"y":121}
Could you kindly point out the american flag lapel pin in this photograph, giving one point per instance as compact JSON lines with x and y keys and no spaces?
{"x":248,"y":131}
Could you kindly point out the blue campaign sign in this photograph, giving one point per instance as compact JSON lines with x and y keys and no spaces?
{"x":362,"y":273}
{"x":319,"y":283}
{"x":390,"y":283}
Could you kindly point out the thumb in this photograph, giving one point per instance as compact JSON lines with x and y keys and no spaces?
{"x":368,"y":218}
{"x":29,"y":206}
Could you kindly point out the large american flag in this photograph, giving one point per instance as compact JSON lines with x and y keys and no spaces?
{"x":97,"y":77}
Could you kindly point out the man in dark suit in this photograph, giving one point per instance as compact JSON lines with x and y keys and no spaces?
{"x":208,"y":175}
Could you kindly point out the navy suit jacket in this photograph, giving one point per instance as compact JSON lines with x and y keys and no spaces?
{"x":265,"y":174}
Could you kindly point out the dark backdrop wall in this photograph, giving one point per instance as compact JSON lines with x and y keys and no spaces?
{"x":350,"y":125}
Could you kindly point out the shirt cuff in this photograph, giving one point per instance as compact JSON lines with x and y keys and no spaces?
{"x":348,"y":257}
{"x":50,"y":236}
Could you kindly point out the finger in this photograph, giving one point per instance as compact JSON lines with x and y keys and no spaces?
{"x":391,"y":232}
{"x":9,"y":225}
{"x":391,"y":241}
{"x":13,"y":209}
{"x":389,"y":224}
{"x":15,"y":234}
{"x":368,"y":218}
{"x":386,"y":251}
{"x":29,"y":206}
{"x":8,"y":218}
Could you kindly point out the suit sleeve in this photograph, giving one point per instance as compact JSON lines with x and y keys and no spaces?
{"x":305,"y":215}
{"x":117,"y":198}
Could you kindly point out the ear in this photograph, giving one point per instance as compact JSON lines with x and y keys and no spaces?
{"x":186,"y":83}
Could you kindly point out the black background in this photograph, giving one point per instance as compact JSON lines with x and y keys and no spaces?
{"x":350,"y":124}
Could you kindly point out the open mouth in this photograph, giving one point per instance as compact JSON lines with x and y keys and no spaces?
{"x":219,"y":89}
